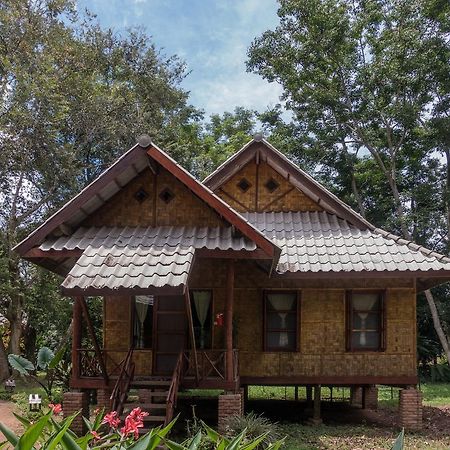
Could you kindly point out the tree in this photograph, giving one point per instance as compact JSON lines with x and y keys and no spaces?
{"x":73,"y":96}
{"x":357,"y":77}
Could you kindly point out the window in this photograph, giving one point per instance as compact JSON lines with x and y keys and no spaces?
{"x":365,"y":317}
{"x":281,"y":321}
{"x":143,"y":321}
{"x":201,"y":304}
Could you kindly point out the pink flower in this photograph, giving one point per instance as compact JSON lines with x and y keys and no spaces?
{"x":112,"y":419}
{"x":55,"y":408}
{"x":138,"y":414}
{"x":132,"y":426}
{"x":95,"y":435}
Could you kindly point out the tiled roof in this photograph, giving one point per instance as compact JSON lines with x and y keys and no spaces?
{"x":322,"y":242}
{"x":128,"y":267}
{"x":128,"y":258}
{"x":199,"y":237}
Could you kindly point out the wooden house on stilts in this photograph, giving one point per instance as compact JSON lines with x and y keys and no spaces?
{"x":256,"y":276}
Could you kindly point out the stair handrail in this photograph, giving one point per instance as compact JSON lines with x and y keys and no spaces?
{"x":172,"y":395}
{"x":123,"y":382}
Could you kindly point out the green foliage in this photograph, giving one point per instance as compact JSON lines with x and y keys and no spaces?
{"x":21,"y":364}
{"x":400,"y":441}
{"x":206,"y":437}
{"x":255,"y":426}
{"x":55,"y":369}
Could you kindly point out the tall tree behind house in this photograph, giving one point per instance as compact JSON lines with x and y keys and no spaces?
{"x":368,"y":76}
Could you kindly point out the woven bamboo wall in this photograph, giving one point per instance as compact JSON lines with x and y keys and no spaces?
{"x":258,"y":198}
{"x":322,"y":325}
{"x":117,"y":335}
{"x":124,"y":210}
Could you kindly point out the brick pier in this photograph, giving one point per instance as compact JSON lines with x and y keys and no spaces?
{"x":72,"y":403}
{"x":410,"y":409}
{"x":229,"y":405}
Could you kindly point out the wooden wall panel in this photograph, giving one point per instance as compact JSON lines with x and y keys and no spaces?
{"x":258,"y":198}
{"x":185,"y":209}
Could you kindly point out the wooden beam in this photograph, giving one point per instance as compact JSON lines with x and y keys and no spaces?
{"x":76,"y":337}
{"x":316,"y":411}
{"x":304,"y":380}
{"x":165,"y":290}
{"x":36,"y":252}
{"x":229,"y":320}
{"x":91,"y":330}
{"x":191,"y":332}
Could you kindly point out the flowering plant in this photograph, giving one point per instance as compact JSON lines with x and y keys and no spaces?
{"x":104,"y":431}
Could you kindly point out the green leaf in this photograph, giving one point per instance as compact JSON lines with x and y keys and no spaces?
{"x":173,"y":445}
{"x":148,"y":442}
{"x":276,"y":445}
{"x":29,"y":438}
{"x":195,"y":441}
{"x":53,"y":442}
{"x":213,"y":434}
{"x":164,"y":431}
{"x":9,"y":434}
{"x":399,"y":442}
{"x":234,"y":444}
{"x":255,"y":442}
{"x":44,"y":357}
{"x":57,"y":358}
{"x":67,"y":441}
{"x":21,"y":364}
{"x":22,"y":420}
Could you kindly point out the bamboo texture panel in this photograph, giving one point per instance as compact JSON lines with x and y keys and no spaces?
{"x":185,"y":209}
{"x":258,"y":198}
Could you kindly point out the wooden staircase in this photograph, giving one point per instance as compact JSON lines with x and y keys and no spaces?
{"x":159,"y":394}
{"x":156,"y":391}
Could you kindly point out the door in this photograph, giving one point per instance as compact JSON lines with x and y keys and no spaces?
{"x":170,"y":333}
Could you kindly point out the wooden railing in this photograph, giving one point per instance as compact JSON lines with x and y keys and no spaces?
{"x":172,"y":396}
{"x":120,"y":391}
{"x":89,"y":365}
{"x":212,"y":364}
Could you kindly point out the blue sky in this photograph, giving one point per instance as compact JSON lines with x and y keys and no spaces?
{"x":211,"y":36}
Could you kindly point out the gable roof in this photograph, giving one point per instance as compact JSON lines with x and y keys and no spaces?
{"x":127,"y":167}
{"x":263,"y":150}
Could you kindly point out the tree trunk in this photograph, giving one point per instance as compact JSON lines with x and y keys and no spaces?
{"x":437,"y":324}
{"x":4,"y":366}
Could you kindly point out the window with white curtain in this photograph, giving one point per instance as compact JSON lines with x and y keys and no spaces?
{"x":281,"y":321}
{"x":201,"y":304}
{"x":143,"y":321}
{"x":365,"y":321}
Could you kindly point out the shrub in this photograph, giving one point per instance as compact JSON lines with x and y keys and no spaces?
{"x":255,"y":425}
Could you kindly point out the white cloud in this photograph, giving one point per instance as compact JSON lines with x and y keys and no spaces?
{"x":241,"y":89}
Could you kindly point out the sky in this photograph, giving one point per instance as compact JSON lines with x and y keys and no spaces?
{"x":211,"y":36}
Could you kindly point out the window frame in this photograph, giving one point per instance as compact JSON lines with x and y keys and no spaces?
{"x":297,"y":313}
{"x":349,"y":321}
{"x":133,"y":319}
{"x":212,"y":309}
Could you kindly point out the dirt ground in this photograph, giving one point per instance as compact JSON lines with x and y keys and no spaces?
{"x":7,"y":417}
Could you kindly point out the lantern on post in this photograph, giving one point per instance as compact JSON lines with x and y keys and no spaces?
{"x":10,"y":385}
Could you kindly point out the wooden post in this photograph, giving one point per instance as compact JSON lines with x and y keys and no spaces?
{"x":296,"y":393}
{"x":316,"y":413}
{"x":97,"y":349}
{"x":191,"y":332}
{"x":229,"y":320}
{"x":76,"y":337}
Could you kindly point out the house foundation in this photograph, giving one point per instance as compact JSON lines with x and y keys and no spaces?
{"x":104,"y":399}
{"x":74,"y":402}
{"x":410,"y":409}
{"x":356,"y":394}
{"x":229,"y":405}
{"x":370,"y":397}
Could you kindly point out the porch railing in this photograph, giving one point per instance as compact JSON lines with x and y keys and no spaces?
{"x":172,"y":396}
{"x":122,"y":386}
{"x":212,"y":364}
{"x":89,"y":365}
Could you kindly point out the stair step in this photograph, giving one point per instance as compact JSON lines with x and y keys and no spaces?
{"x":151,"y":418}
{"x":150,"y":383}
{"x":144,"y":406}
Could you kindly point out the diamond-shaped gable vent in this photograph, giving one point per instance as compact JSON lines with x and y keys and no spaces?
{"x":166,"y":195}
{"x":244,"y":185}
{"x":141,"y":195}
{"x":272,"y":185}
